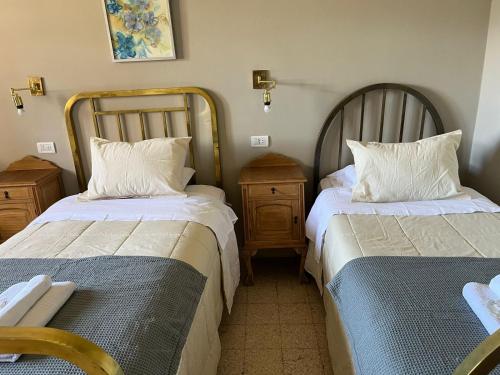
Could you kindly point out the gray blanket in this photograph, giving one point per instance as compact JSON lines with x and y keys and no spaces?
{"x":406,"y":315}
{"x":138,"y":309}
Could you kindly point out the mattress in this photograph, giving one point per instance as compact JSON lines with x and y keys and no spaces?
{"x":190,"y":242}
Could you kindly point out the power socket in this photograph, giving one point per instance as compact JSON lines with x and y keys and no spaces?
{"x":259,"y":141}
{"x":46,"y":147}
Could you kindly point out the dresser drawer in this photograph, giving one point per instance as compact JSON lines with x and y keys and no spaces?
{"x":273,"y":191}
{"x":8,"y":194}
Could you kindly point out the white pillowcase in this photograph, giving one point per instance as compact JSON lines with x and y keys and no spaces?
{"x":343,"y":178}
{"x":187,"y":174}
{"x":145,"y":168}
{"x":400,"y":172}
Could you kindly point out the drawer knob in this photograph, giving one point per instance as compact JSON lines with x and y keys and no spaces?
{"x":273,"y":190}
{"x":6,"y":194}
{"x":296,"y":219}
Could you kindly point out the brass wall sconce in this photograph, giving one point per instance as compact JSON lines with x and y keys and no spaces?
{"x":262,"y":81}
{"x":35,"y":87}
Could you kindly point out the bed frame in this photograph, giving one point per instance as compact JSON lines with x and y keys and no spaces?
{"x":62,"y":344}
{"x":487,"y":355}
{"x":335,"y":124}
{"x":98,"y":115}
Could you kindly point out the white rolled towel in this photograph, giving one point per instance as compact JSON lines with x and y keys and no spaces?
{"x":23,"y":300}
{"x":485,"y":304}
{"x":495,"y":285}
{"x":43,"y":310}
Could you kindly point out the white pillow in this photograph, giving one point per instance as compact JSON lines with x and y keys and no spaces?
{"x":399,"y":172}
{"x":343,"y":178}
{"x":187,"y":174}
{"x":145,"y":168}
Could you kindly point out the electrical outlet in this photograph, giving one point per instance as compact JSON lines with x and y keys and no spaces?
{"x":259,"y":141}
{"x":46,"y":147}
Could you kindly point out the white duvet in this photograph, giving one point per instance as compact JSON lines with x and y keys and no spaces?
{"x":337,"y":201}
{"x":197,"y":207}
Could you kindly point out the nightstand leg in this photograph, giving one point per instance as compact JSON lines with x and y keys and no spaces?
{"x":302,"y":275}
{"x":247,"y":256}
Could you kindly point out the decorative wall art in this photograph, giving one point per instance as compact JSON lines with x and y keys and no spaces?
{"x":140,"y":30}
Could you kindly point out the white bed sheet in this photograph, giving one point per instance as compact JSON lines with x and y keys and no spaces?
{"x":197,"y":207}
{"x":337,"y":201}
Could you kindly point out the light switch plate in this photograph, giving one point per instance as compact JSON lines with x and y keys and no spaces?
{"x":46,"y":147}
{"x":259,"y":141}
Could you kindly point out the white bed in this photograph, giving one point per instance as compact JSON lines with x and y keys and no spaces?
{"x":340,"y":231}
{"x":197,"y":229}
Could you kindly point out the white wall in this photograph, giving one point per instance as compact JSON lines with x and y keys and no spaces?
{"x":485,"y":155}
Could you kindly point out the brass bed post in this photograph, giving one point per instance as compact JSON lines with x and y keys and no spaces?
{"x":483,"y":359}
{"x":58,"y":343}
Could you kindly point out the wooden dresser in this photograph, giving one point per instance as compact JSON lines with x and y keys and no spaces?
{"x":272,"y":189}
{"x":27,"y":188}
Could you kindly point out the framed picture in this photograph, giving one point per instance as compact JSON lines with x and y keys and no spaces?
{"x":139,"y":30}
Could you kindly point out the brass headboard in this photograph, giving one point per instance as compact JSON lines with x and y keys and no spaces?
{"x":98,"y":115}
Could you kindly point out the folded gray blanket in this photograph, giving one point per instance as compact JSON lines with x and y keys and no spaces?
{"x":138,"y":309}
{"x":406,"y":315}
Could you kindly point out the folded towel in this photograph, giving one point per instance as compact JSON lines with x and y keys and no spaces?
{"x":43,"y":310}
{"x":495,"y":285}
{"x":22,"y":301}
{"x":485,"y":304}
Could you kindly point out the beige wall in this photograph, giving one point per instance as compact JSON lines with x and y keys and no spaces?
{"x":485,"y":156}
{"x":318,"y":50}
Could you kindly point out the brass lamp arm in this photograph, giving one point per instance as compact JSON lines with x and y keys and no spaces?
{"x":271,"y":82}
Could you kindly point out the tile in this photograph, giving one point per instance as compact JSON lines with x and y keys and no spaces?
{"x":262,"y":313}
{"x":318,"y":313}
{"x":313,"y":295}
{"x":241,"y":295}
{"x":298,"y":336}
{"x":325,"y":360}
{"x":295,"y":313}
{"x":263,"y":337}
{"x":292,"y":293}
{"x":262,"y":294}
{"x":231,"y":362}
{"x":232,"y":336}
{"x":263,"y":280}
{"x":263,"y":362}
{"x":321,"y":335}
{"x":302,"y":362}
{"x":238,"y":315}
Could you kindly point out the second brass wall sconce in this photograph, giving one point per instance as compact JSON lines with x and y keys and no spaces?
{"x":35,"y":87}
{"x":262,"y":81}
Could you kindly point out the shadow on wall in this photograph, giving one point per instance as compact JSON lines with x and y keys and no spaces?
{"x":486,"y":179}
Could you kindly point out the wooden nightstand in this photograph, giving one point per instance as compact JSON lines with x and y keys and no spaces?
{"x":272,"y":189}
{"x":27,"y":188}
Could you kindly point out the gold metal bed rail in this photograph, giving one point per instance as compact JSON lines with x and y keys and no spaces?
{"x":483,"y":359}
{"x":93,"y":101}
{"x":58,"y":343}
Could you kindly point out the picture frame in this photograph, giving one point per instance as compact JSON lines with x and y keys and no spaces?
{"x":139,"y":30}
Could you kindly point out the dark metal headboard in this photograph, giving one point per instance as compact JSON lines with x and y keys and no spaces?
{"x":401,"y":96}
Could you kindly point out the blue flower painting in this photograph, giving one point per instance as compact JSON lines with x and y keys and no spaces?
{"x":140,"y":29}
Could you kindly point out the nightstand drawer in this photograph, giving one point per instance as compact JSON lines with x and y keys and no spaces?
{"x":274,"y":191}
{"x":14,"y":193}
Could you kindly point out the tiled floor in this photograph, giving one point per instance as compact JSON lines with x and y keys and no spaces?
{"x":277,"y":326}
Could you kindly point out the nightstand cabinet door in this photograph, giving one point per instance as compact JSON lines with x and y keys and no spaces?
{"x":14,"y":217}
{"x":275,"y":220}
